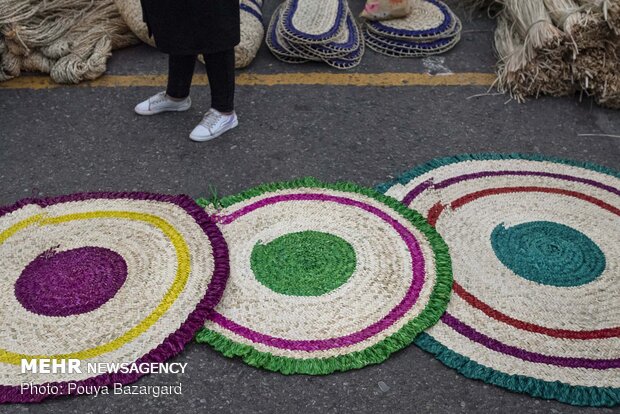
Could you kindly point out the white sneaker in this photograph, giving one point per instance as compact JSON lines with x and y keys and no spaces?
{"x":161,"y":102}
{"x":213,"y":125}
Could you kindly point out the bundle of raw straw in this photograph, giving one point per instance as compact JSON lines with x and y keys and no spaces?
{"x":70,"y":39}
{"x":558,"y":47}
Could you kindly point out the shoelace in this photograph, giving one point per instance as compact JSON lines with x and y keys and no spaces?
{"x":210,"y":120}
{"x":160,"y":97}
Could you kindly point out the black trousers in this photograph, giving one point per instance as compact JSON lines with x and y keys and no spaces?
{"x":220,"y":71}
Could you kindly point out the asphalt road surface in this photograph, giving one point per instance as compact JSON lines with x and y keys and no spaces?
{"x":71,"y":139}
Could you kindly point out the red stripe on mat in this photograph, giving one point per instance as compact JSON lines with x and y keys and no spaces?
{"x":505,"y":190}
{"x":526,"y":326}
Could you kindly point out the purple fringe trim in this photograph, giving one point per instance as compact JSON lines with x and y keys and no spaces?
{"x":176,"y":341}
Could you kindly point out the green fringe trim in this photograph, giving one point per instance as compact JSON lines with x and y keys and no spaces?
{"x":407,"y":176}
{"x":213,"y":200}
{"x":571,"y":394}
{"x":374,"y":354}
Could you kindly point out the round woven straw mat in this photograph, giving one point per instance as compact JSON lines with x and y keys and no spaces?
{"x":312,"y":21}
{"x":404,"y":48}
{"x":348,"y":61}
{"x":348,"y":41}
{"x":325,"y":277}
{"x":536,"y":255}
{"x":102,"y":278}
{"x":276,"y":43}
{"x":429,"y":19}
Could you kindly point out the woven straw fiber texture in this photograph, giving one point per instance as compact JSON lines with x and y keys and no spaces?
{"x":313,"y":22}
{"x":131,"y":12}
{"x":324,"y":277}
{"x":406,"y":48}
{"x":103,"y":278}
{"x":429,"y":19}
{"x":534,"y":245}
{"x":303,"y":30}
{"x":252,"y":29}
{"x":431,"y":28}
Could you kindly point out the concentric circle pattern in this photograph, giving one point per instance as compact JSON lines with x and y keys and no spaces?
{"x":548,"y":253}
{"x":535,"y":246}
{"x":104,"y":278}
{"x":61,"y":283}
{"x":325,"y":277}
{"x":308,"y":263}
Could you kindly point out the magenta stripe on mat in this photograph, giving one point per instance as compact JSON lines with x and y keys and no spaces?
{"x":410,"y":298}
{"x":419,"y":189}
{"x":498,"y":346}
{"x":459,"y":178}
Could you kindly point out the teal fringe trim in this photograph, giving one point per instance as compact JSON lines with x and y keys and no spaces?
{"x":374,"y":354}
{"x":571,"y":394}
{"x":575,"y":395}
{"x":440,"y":162}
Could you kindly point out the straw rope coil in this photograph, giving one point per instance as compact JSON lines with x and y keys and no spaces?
{"x":536,"y":258}
{"x":70,"y":39}
{"x":324,"y":277}
{"x":110,"y":278}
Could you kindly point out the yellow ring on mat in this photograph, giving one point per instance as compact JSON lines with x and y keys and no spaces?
{"x":183,"y":268}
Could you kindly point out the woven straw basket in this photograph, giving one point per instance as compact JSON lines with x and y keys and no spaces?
{"x":252,"y":30}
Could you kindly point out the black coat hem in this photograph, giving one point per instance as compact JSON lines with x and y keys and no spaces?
{"x":209,"y":50}
{"x":190,"y":27}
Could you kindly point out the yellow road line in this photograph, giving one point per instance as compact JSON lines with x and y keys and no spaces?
{"x":276,"y":79}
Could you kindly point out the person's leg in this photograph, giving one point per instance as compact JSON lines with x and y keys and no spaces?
{"x":176,"y":97}
{"x":180,"y":73}
{"x":221,"y":72}
{"x":221,"y":117}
